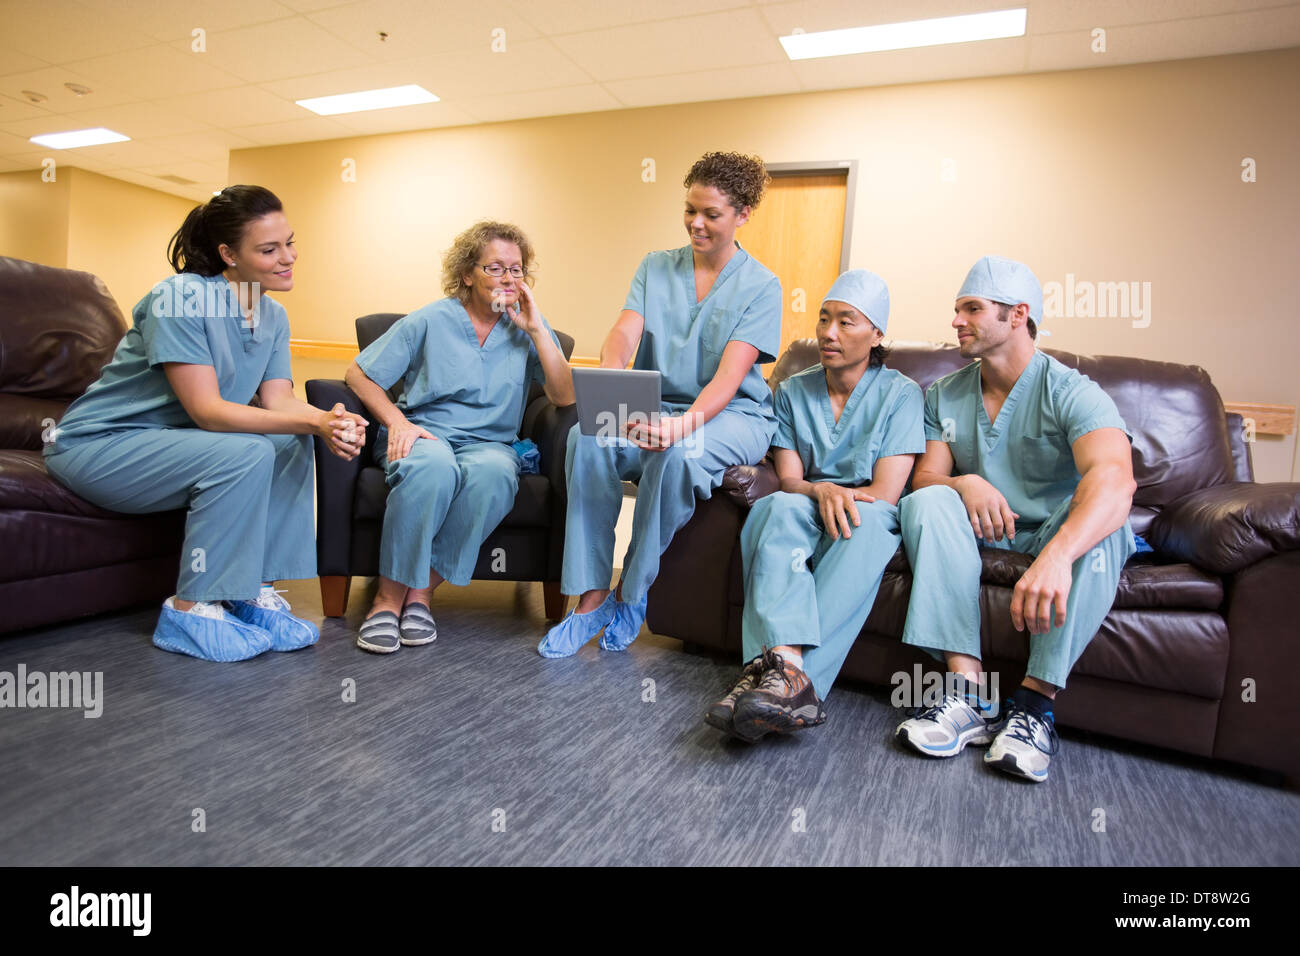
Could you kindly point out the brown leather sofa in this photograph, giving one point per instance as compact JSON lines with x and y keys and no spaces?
{"x":1199,"y":652}
{"x":60,"y":556}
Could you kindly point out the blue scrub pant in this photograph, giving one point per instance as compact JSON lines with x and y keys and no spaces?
{"x":822,"y":609}
{"x":249,"y":499}
{"x":443,"y":502}
{"x":943,"y":614}
{"x":668,"y":482}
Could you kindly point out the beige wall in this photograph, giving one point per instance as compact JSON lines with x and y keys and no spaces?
{"x":119,"y":231}
{"x":82,"y":220}
{"x":1124,"y":174}
{"x":34,"y":217}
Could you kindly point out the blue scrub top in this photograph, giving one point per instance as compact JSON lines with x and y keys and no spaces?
{"x":683,"y":339}
{"x":453,"y":387}
{"x":1027,"y":453}
{"x":882,"y":417}
{"x":187,"y":318}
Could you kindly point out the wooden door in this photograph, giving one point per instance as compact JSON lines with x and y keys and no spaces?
{"x":797,"y":232}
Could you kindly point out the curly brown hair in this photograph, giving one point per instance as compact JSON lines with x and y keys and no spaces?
{"x":742,"y":179}
{"x":463,"y":255}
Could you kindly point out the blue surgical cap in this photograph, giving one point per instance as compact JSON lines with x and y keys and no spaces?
{"x":866,"y":292}
{"x":1005,"y":281}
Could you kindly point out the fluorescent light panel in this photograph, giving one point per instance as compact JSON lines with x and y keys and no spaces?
{"x":80,"y":137}
{"x":902,"y":36}
{"x":368,"y":100}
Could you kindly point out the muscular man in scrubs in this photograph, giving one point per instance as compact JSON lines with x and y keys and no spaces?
{"x":703,"y":316}
{"x":847,"y":433}
{"x":1027,"y":455}
{"x":169,"y":425}
{"x":466,"y":363}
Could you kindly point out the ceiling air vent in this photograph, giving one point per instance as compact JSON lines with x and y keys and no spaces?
{"x":179,"y":180}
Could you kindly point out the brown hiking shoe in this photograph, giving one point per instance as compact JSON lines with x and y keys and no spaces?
{"x":720,"y":714}
{"x":784,"y":701}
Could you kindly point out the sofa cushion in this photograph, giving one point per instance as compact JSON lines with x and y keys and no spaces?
{"x":25,"y":485}
{"x":1144,"y":583}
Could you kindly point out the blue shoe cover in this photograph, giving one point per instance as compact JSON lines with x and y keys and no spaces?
{"x":569,"y":635}
{"x":626,"y":625}
{"x":210,"y":639}
{"x":288,"y":633}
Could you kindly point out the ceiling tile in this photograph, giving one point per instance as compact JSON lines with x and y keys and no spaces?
{"x":280,"y":49}
{"x":419,"y":29}
{"x":58,"y":31}
{"x":11,"y":61}
{"x":170,"y":20}
{"x":534,"y":65}
{"x":295,"y":131}
{"x":156,"y":71}
{"x":588,"y":98}
{"x":688,"y":44}
{"x":199,"y":192}
{"x":373,"y":77}
{"x":1051,"y":16}
{"x":239,"y":106}
{"x":813,"y":16}
{"x":58,"y":98}
{"x":210,"y":146}
{"x":553,"y":17}
{"x":12,"y":109}
{"x":137,"y":120}
{"x":766,"y":80}
{"x":404,"y":118}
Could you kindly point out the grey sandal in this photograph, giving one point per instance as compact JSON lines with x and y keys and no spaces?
{"x":380,"y":633}
{"x":417,"y":625}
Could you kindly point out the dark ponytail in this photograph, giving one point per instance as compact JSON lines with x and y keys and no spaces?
{"x":219,"y":220}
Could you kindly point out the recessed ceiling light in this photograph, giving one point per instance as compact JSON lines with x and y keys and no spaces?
{"x":368,"y":100}
{"x":901,"y":36}
{"x":80,"y":137}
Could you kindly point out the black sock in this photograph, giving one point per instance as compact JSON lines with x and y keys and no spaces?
{"x":1040,"y":705}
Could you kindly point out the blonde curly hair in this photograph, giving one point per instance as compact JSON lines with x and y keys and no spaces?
{"x":463,"y":255}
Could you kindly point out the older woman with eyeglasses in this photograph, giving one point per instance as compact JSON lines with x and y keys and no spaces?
{"x":466,"y":363}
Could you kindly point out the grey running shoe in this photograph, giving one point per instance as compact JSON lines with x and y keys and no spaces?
{"x":1025,"y":745}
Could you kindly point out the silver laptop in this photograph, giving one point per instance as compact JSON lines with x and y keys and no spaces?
{"x":610,"y":397}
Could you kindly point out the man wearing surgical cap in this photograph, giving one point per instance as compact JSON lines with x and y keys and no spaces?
{"x":848,"y":432}
{"x":1021,"y":454}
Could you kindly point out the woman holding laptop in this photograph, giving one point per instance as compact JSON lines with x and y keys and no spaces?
{"x":703,"y":316}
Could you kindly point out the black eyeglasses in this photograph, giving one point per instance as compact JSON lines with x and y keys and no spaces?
{"x":496,"y":270}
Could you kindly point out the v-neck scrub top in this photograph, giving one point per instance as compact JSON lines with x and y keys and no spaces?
{"x":187,"y":318}
{"x":683,"y":339}
{"x":453,"y":387}
{"x":882,"y":417}
{"x":1026,"y":453}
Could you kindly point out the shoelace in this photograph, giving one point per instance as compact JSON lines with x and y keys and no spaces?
{"x":1023,"y":726}
{"x":773,"y":678}
{"x":270,"y":599}
{"x":749,"y":679}
{"x":935,"y":711}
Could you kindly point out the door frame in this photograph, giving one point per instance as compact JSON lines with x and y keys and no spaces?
{"x":780,"y":170}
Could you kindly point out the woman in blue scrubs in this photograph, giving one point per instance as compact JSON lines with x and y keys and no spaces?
{"x":704,"y":316}
{"x":466,"y":363}
{"x":169,"y":425}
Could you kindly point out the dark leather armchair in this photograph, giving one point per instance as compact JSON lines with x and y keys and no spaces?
{"x":1197,"y":651}
{"x":528,"y":545}
{"x":60,"y":556}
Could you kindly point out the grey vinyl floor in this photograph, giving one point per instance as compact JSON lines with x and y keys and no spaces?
{"x":475,"y":750}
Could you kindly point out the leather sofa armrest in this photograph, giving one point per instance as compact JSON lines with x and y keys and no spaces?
{"x":745,"y":484}
{"x":336,"y":479}
{"x":1229,"y":527}
{"x":548,"y":427}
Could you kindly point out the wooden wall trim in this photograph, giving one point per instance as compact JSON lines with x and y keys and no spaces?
{"x":1268,"y":419}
